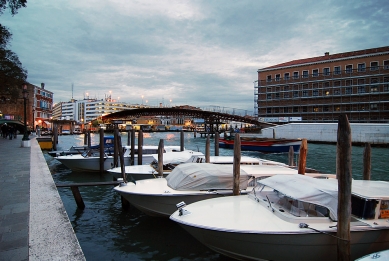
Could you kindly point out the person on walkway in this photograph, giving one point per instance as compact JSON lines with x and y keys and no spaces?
{"x":4,"y":130}
{"x":10,"y":131}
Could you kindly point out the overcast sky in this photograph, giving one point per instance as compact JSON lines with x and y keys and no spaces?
{"x":200,"y":53}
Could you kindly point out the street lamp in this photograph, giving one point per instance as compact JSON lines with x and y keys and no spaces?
{"x":25,"y":95}
{"x":33,"y":118}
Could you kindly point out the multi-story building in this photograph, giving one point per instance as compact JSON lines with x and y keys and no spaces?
{"x":39,"y":105}
{"x":86,"y":110}
{"x":319,"y":89}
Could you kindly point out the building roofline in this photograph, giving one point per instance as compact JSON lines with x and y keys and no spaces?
{"x":329,"y":58}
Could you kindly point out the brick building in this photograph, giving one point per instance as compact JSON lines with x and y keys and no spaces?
{"x":39,"y":106}
{"x":318,"y":89}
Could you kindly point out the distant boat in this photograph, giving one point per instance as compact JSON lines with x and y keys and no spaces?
{"x":266,"y":145}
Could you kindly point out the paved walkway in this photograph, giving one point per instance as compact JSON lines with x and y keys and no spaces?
{"x":14,"y":199}
{"x":33,"y":221}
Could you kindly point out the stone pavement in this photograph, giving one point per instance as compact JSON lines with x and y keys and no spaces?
{"x":33,"y":221}
{"x":14,"y":199}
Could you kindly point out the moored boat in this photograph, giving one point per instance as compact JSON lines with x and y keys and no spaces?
{"x":90,"y":160}
{"x":191,"y":182}
{"x":266,"y":145}
{"x":289,"y":217}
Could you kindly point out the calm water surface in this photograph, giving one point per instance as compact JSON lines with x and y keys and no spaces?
{"x":105,"y":232}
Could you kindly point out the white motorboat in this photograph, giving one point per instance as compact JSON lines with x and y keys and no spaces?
{"x":191,"y":182}
{"x":289,"y":217}
{"x":172,"y":159}
{"x":90,"y":160}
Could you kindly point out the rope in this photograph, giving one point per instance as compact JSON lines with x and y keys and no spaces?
{"x":304,"y":225}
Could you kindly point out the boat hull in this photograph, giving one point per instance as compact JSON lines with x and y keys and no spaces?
{"x":165,"y":205}
{"x":302,"y":247}
{"x":270,"y":146}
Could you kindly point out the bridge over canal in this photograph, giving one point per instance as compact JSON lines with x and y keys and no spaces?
{"x":210,"y":117}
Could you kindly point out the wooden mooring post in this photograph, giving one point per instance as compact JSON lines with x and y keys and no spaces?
{"x":291,"y":156}
{"x":182,"y":147}
{"x":76,"y":192}
{"x":132,"y":147}
{"x":217,"y":136}
{"x":367,"y":162}
{"x":160,"y":158}
{"x":236,"y":165}
{"x":303,"y":157}
{"x":208,"y":150}
{"x":344,"y":176}
{"x":140,"y":147}
{"x":101,"y":160}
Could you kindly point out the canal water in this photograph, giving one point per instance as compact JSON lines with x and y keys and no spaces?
{"x":106,"y":232}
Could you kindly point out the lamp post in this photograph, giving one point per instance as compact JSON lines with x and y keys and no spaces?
{"x":33,"y":118}
{"x":25,"y":95}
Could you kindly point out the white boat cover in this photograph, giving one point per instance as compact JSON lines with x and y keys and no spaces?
{"x":177,"y":157}
{"x":322,"y":192}
{"x":206,"y":176}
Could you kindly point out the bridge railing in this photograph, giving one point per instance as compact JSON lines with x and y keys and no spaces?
{"x":228,"y":110}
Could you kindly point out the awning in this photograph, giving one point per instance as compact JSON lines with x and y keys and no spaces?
{"x":47,"y":123}
{"x":2,"y":121}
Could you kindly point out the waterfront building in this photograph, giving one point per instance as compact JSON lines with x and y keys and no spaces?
{"x":319,"y":89}
{"x":39,"y":106}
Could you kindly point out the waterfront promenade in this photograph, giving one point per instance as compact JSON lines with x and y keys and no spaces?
{"x":33,"y":222}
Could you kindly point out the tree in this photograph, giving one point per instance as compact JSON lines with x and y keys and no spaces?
{"x":12,"y":73}
{"x":13,"y":5}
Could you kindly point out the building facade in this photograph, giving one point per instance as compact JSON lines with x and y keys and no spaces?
{"x":319,"y":89}
{"x":39,"y":106}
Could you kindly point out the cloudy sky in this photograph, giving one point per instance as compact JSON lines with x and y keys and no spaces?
{"x":201,"y":53}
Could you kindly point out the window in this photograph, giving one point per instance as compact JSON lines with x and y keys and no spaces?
{"x":286,"y":95}
{"x":361,"y":89}
{"x":268,"y":78}
{"x":305,"y":109}
{"x":386,"y":85}
{"x":374,"y":106}
{"x":315,"y":72}
{"x":386,"y":64}
{"x":336,"y":92}
{"x":361,"y":67}
{"x":278,"y":76}
{"x":315,"y":93}
{"x":327,"y":93}
{"x":286,"y":76}
{"x":314,"y":85}
{"x":349,"y":82}
{"x":305,"y":86}
{"x":349,"y":68}
{"x":305,"y":93}
{"x":326,"y":108}
{"x":295,"y":109}
{"x":326,"y":84}
{"x":268,"y":96}
{"x":305,"y":74}
{"x":268,"y":89}
{"x":295,"y":94}
{"x":373,"y":66}
{"x":286,"y":109}
{"x":277,"y":96}
{"x":326,"y":71}
{"x":337,"y":70}
{"x":286,"y":88}
{"x":276,"y":110}
{"x":374,"y":88}
{"x":349,"y":90}
{"x":295,"y":75}
{"x":315,"y":109}
{"x":337,"y":84}
{"x":337,"y":108}
{"x":268,"y":110}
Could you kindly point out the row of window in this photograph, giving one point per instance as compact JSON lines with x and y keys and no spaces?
{"x":314,"y":85}
{"x":337,"y":70}
{"x":323,"y":108}
{"x":306,"y":93}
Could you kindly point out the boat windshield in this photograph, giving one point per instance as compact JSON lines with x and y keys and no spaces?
{"x":283,"y":203}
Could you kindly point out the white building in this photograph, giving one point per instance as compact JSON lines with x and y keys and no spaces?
{"x":87,"y":110}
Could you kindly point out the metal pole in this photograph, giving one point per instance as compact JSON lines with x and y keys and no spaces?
{"x":25,"y":136}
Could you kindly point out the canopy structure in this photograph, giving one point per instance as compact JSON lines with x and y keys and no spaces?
{"x":205,"y":176}
{"x":2,"y":121}
{"x":322,"y":192}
